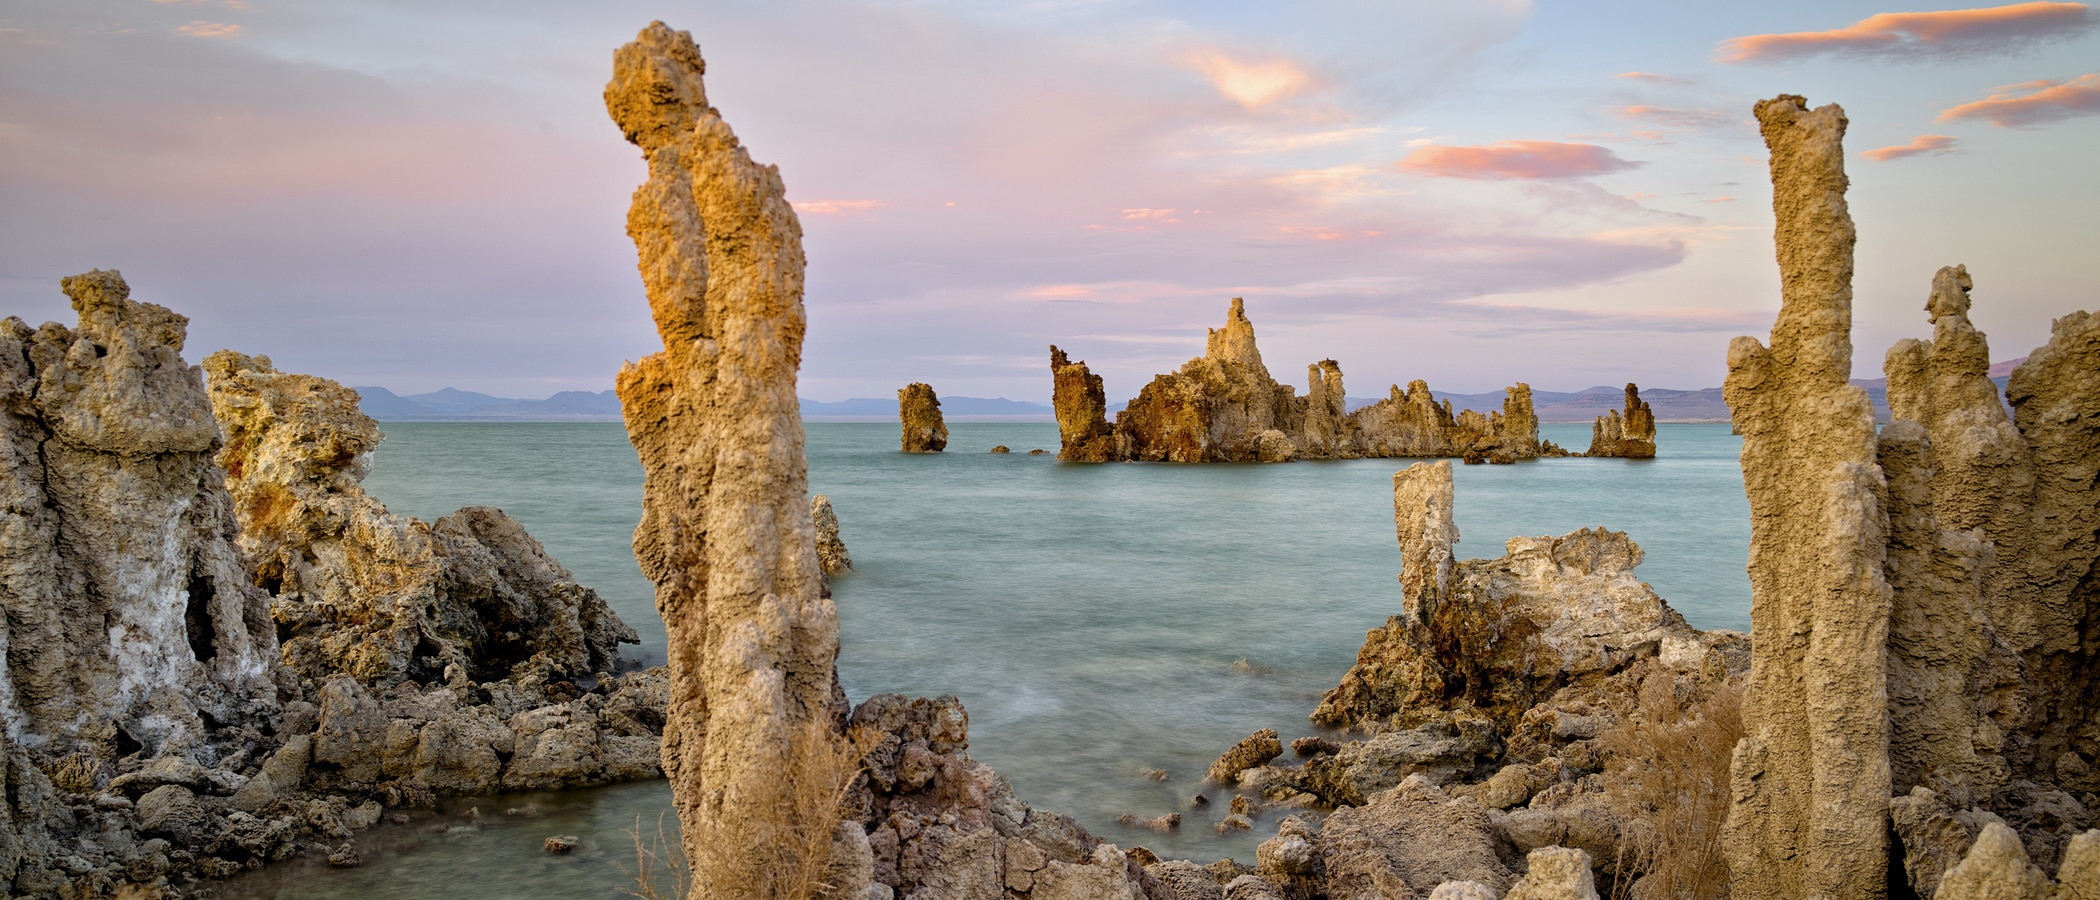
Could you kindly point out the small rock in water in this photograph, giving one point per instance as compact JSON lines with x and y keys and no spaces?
{"x":1199,"y":802}
{"x":1037,"y":452}
{"x":1153,"y":774}
{"x":1168,"y":822}
{"x":399,"y":818}
{"x":1314,"y":746}
{"x":1251,"y":751}
{"x":345,"y":857}
{"x":528,"y":810}
{"x":1233,"y":823}
{"x":1241,"y":806}
{"x":1245,"y":667}
{"x":1002,"y":448}
{"x":560,"y":843}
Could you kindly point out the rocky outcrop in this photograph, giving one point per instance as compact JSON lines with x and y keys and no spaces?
{"x":130,"y":626}
{"x":939,"y":824}
{"x":1627,"y":435}
{"x":831,"y":551}
{"x":1076,"y":395}
{"x":136,"y":651}
{"x":1811,"y":777}
{"x":358,"y":591}
{"x":1515,"y":705}
{"x":1495,"y":637}
{"x":1412,"y":423}
{"x":1219,"y":407}
{"x":726,"y":534}
{"x":1923,"y":624}
{"x":1224,"y":406}
{"x":920,"y":411}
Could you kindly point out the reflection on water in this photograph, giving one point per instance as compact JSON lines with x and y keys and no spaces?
{"x":1096,"y":620}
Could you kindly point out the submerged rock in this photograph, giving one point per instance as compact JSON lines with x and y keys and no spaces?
{"x":920,"y":411}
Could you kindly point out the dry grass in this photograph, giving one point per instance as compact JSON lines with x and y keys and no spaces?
{"x":778,"y":848}
{"x":1669,"y":786}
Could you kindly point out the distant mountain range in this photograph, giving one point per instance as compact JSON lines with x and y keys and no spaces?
{"x":454,"y":405}
{"x":1553,"y":407}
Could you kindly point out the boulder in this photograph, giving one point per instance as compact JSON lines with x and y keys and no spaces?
{"x":920,"y":412}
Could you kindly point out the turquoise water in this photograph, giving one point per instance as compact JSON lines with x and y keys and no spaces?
{"x":1096,"y":620}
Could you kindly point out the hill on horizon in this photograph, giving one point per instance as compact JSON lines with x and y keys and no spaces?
{"x":1552,"y":407}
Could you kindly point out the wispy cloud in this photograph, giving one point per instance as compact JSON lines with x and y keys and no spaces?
{"x":1649,"y":77}
{"x":203,"y":29}
{"x":1253,"y":84}
{"x":1672,"y":117}
{"x":835,"y":207}
{"x":1515,"y":159}
{"x":1921,"y":35}
{"x":2033,"y":102}
{"x":1934,"y":144}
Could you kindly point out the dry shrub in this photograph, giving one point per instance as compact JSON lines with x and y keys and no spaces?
{"x":1669,"y":786}
{"x":777,"y":848}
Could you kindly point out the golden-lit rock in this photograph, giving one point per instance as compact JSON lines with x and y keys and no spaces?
{"x":1811,"y":776}
{"x":1627,"y":435}
{"x":359,"y":591}
{"x":920,"y":412}
{"x":831,"y":551}
{"x":1224,"y":406}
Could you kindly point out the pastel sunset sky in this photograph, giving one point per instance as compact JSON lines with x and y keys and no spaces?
{"x":416,"y":195}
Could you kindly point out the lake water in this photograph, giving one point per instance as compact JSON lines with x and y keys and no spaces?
{"x":1096,"y":620}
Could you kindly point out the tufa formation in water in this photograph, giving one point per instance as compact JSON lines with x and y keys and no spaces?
{"x":920,"y":411}
{"x":1223,"y":406}
{"x":181,"y":742}
{"x":1630,"y":435}
{"x":1496,"y":706}
{"x":726,"y":533}
{"x":1924,"y":621}
{"x":780,"y":791}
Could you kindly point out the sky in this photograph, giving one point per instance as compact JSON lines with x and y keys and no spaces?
{"x":417,"y":195}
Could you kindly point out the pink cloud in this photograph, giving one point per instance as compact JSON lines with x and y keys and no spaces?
{"x":1253,"y":84}
{"x":1650,"y":77}
{"x":2033,"y":103}
{"x":1515,"y":159}
{"x":835,"y":207}
{"x":205,"y":29}
{"x":1677,"y":118}
{"x":1934,"y":144}
{"x":1953,"y":32}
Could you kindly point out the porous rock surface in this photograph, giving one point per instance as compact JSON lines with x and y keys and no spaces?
{"x":831,"y":551}
{"x":1923,"y":620}
{"x":726,"y":533}
{"x":1495,"y":637}
{"x":132,"y":636}
{"x":1627,"y":435}
{"x":1224,"y":406}
{"x":1811,"y":779}
{"x":1487,"y":705}
{"x":356,"y":590}
{"x":920,"y":412}
{"x":374,"y":701}
{"x":728,"y":539}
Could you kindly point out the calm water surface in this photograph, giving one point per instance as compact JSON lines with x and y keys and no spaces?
{"x":1095,"y":619}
